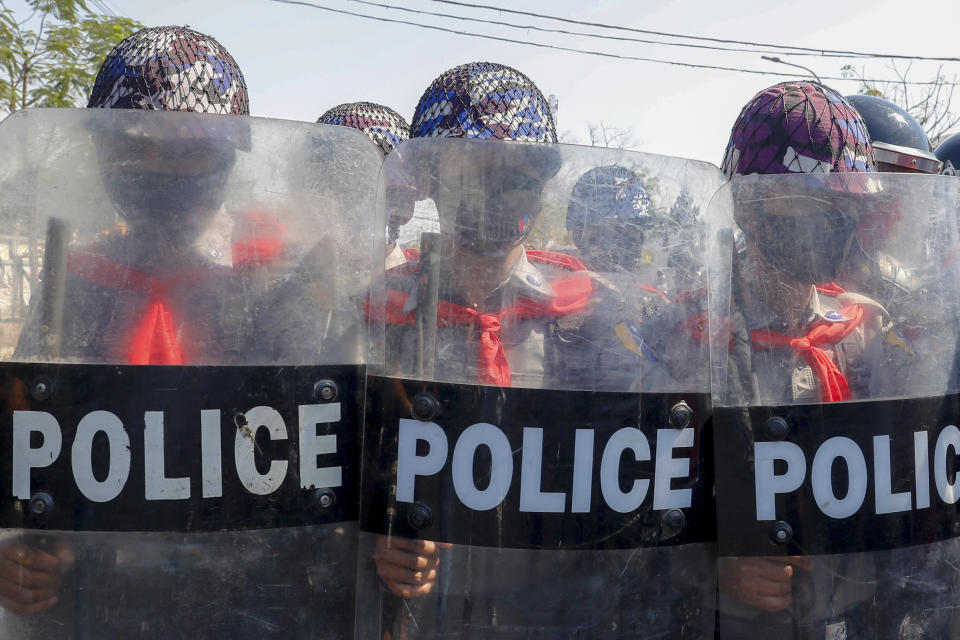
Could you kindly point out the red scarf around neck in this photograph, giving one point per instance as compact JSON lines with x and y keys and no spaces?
{"x":571,"y":295}
{"x":155,"y":337}
{"x":833,"y":384}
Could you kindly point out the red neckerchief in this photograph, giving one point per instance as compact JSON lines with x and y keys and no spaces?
{"x":258,"y":238}
{"x":154,"y":339}
{"x":570,"y":296}
{"x":833,"y":384}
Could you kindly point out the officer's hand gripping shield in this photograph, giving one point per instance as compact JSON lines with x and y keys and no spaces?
{"x":834,"y":354}
{"x":184,"y":343}
{"x":534,"y":458}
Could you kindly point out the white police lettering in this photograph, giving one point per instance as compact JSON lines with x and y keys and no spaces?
{"x":501,"y":466}
{"x":114,"y":441}
{"x":886,"y":500}
{"x":244,"y":450}
{"x":81,"y":456}
{"x":822,"y":477}
{"x":482,"y":486}
{"x":211,"y":453}
{"x":312,"y":446}
{"x":887,"y":469}
{"x":156,"y":485}
{"x":619,"y":500}
{"x":668,"y":468}
{"x":409,"y":464}
{"x":768,"y":483}
{"x":949,"y":439}
{"x":26,"y":458}
{"x":582,"y":471}
{"x":531,"y":477}
{"x":921,"y":463}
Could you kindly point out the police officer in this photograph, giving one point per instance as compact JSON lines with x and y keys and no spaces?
{"x":149,"y":292}
{"x":796,"y":336}
{"x":508,"y":316}
{"x":948,"y":152}
{"x":614,"y":225}
{"x":900,"y":145}
{"x":487,"y":257}
{"x":113,"y":307}
{"x":144,"y":293}
{"x":388,"y":130}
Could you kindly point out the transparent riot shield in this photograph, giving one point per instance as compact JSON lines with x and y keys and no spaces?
{"x":184,"y":349}
{"x":835,"y":405}
{"x":534,"y":457}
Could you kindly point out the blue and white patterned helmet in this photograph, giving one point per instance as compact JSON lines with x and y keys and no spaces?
{"x":484,"y":100}
{"x":387,"y":128}
{"x":170,"y":69}
{"x":608,"y":215}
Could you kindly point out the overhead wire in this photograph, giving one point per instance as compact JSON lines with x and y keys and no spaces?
{"x":605,"y":54}
{"x":858,"y":54}
{"x":532,"y":27}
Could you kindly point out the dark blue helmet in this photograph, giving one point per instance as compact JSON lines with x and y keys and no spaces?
{"x":608,"y":214}
{"x":899,"y":142}
{"x":948,"y":152}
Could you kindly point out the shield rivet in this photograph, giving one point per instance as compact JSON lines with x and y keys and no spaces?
{"x":781,"y":533}
{"x":674,"y":521}
{"x":324,"y":498}
{"x":681,"y":415}
{"x":424,"y":407}
{"x":41,"y":504}
{"x":41,"y":389}
{"x":325,"y":390}
{"x":419,"y":516}
{"x":777,"y":428}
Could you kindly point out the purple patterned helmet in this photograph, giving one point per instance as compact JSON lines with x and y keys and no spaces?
{"x":383,"y":125}
{"x":483,"y":100}
{"x":798,"y":127}
{"x":170,"y":69}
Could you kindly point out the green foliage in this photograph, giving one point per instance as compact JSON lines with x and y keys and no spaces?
{"x":51,"y":57}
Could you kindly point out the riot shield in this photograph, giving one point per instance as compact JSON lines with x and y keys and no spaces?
{"x":834,"y":347}
{"x":183,"y":373}
{"x":534,"y":456}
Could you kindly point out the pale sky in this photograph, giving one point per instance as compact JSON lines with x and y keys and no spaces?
{"x":299,"y":61}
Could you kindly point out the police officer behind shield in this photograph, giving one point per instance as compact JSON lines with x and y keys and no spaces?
{"x":145,"y":293}
{"x":508,"y":316}
{"x":796,"y":336}
{"x":142,"y":293}
{"x":482,"y":246}
{"x":388,"y":130}
{"x":900,"y":145}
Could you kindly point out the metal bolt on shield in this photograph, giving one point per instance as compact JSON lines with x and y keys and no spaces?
{"x":325,"y":390}
{"x":681,"y":415}
{"x":41,"y":504}
{"x":41,"y":389}
{"x":674,"y":521}
{"x":777,"y":428}
{"x":324,"y":498}
{"x":424,"y":407}
{"x":781,"y":533}
{"x":419,"y":516}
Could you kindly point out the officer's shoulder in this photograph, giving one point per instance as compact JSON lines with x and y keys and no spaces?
{"x":849,"y":298}
{"x":402,"y":277}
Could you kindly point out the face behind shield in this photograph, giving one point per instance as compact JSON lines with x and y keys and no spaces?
{"x":165,"y":189}
{"x":489,"y":204}
{"x":805,"y":239}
